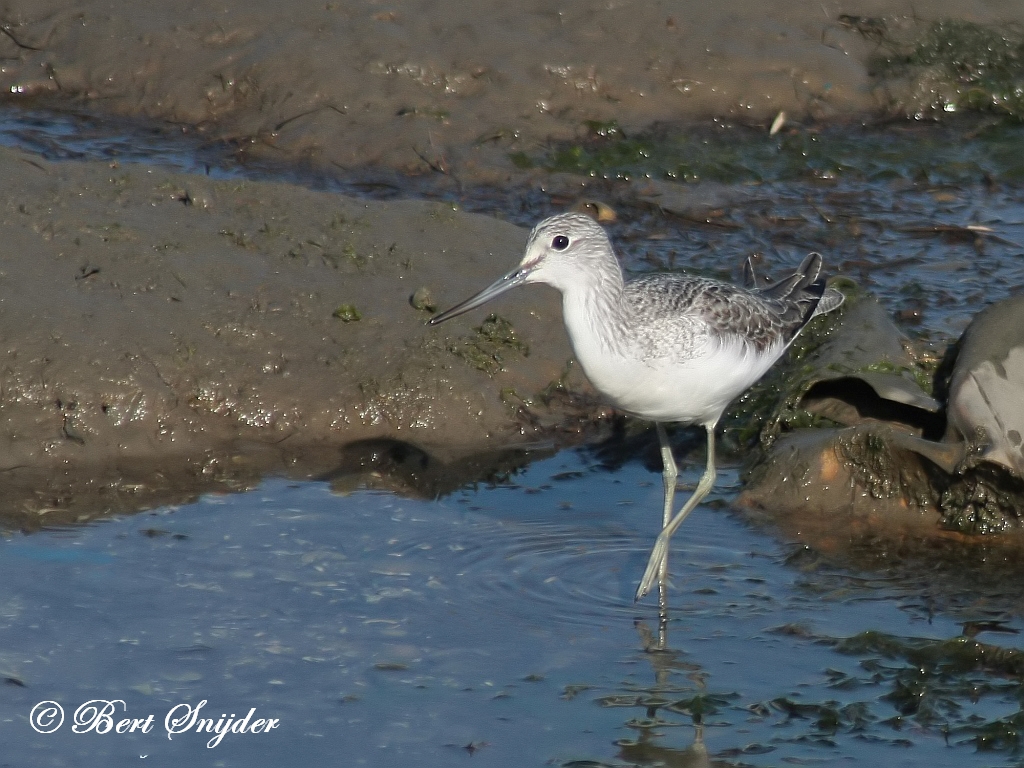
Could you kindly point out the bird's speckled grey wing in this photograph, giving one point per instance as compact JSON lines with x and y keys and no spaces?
{"x":662,"y":300}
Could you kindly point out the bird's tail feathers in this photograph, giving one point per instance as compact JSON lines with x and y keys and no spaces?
{"x":830,"y":300}
{"x":804,"y":291}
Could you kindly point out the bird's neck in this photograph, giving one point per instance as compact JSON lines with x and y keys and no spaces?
{"x":594,"y":308}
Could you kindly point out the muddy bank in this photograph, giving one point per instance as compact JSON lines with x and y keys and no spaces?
{"x":170,"y":324}
{"x":435,"y":85}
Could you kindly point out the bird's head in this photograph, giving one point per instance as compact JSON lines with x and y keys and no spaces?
{"x":564,"y":251}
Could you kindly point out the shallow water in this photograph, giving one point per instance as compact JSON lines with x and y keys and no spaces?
{"x":497,"y":624}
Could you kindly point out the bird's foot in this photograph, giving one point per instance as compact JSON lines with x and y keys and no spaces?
{"x":658,"y":554}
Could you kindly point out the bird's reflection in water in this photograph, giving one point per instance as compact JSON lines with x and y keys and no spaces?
{"x":664,"y":703}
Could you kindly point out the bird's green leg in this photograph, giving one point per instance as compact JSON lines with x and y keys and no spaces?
{"x":669,"y":474}
{"x":660,"y":551}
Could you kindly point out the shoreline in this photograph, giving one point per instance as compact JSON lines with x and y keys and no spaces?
{"x":420,"y":87}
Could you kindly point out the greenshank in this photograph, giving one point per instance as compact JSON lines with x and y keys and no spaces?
{"x":663,"y":347}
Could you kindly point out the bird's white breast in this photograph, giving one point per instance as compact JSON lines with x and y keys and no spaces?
{"x":694,"y":391}
{"x":689,"y":379}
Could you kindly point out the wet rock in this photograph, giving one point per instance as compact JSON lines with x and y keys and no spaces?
{"x":597,"y":210}
{"x":422,"y":299}
{"x":985,"y":415}
{"x":853,"y":369}
{"x":882,"y":449}
{"x":986,"y":390}
{"x":705,"y":202}
{"x":197,"y":192}
{"x":406,"y":469}
{"x":840,"y":417}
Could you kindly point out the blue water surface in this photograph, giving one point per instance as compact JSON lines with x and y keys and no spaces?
{"x":494,"y":627}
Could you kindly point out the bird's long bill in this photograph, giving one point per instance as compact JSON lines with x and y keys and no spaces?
{"x":516,"y":277}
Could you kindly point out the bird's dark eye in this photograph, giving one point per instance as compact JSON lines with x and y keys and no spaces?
{"x":560,"y":242}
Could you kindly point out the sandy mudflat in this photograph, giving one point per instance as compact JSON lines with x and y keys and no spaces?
{"x":441,"y":83}
{"x":159,"y":320}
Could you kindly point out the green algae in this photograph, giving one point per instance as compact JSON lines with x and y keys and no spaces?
{"x":900,"y":689}
{"x":492,"y":344}
{"x":347,"y":313}
{"x":962,"y":150}
{"x":984,"y":499}
{"x":957,"y":66}
{"x":968,"y":76}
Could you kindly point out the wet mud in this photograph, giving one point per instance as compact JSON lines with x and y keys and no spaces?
{"x":433,"y":86}
{"x":178,"y":329}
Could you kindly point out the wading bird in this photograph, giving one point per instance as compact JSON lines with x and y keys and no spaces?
{"x":663,"y":347}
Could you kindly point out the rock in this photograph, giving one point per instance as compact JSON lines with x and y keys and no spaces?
{"x":855,"y":431}
{"x":850,"y":407}
{"x":986,"y":390}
